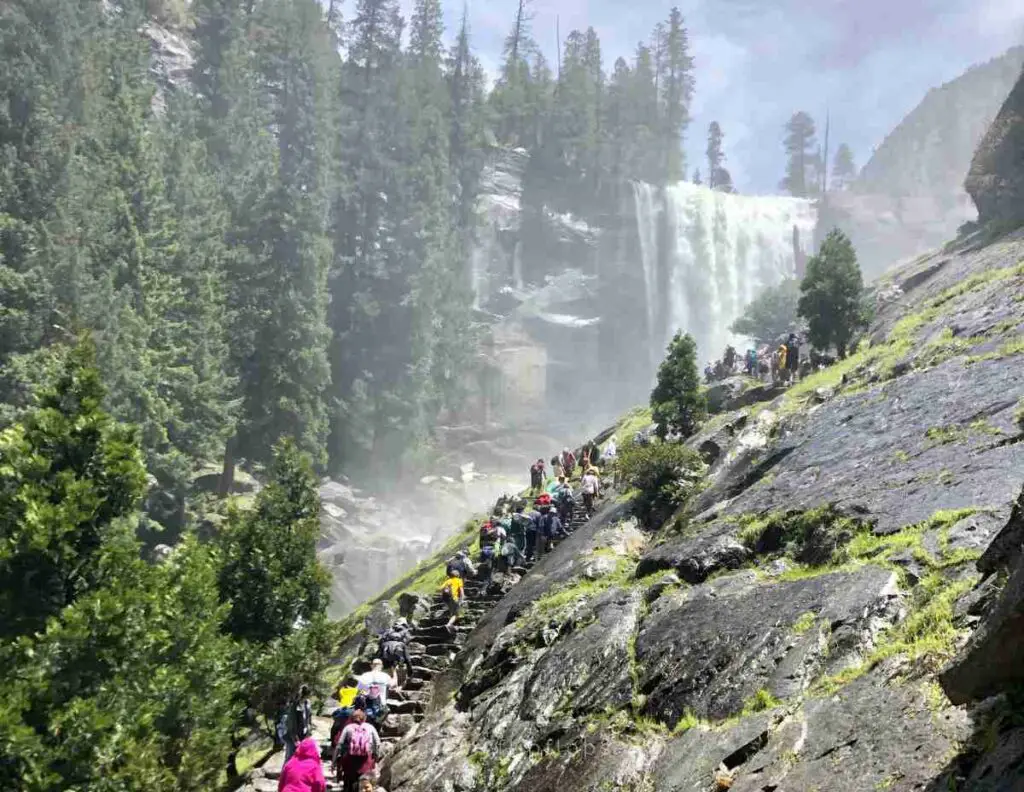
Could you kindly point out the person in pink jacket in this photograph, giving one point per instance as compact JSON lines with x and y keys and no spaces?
{"x":303,"y":772}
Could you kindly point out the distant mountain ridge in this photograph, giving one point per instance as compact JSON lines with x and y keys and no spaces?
{"x":910,"y":197}
{"x":930,"y":151}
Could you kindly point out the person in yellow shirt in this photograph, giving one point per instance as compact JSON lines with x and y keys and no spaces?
{"x":452,"y":593}
{"x":781,"y":362}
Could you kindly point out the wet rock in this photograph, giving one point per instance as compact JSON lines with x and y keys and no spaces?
{"x":991,"y":661}
{"x":830,"y":744}
{"x":695,"y":558}
{"x":660,"y":586}
{"x":379,"y":619}
{"x":872,"y":450}
{"x":688,"y":762}
{"x":1001,"y":769}
{"x":414,"y":607}
{"x":710,"y":648}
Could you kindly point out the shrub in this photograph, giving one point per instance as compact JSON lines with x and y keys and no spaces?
{"x":665,"y":474}
{"x":677,"y":403}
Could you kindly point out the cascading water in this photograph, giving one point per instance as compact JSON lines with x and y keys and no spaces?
{"x":720,"y":251}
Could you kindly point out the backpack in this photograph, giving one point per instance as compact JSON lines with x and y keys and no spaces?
{"x":360,"y":743}
{"x":547,"y":524}
{"x":520,"y":523}
{"x":391,"y":652}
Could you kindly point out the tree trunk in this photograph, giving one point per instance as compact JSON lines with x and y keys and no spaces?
{"x":227,"y":476}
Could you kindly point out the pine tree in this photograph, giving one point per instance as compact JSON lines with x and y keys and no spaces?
{"x":510,"y":98}
{"x":70,"y":475}
{"x":843,"y":169}
{"x":271,"y":577}
{"x":831,"y":292}
{"x":677,"y":91}
{"x":677,"y":402}
{"x":801,"y":149}
{"x":284,"y":383}
{"x":719,"y":177}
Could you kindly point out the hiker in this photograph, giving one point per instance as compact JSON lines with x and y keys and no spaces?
{"x":751,"y":363}
{"x":460,"y":563}
{"x":512,"y":556}
{"x":729,"y":360}
{"x":533,"y":533}
{"x":556,"y":467}
{"x":591,"y":489}
{"x":393,"y":647}
{"x":780,"y":362}
{"x":303,"y":772}
{"x":295,"y":723}
{"x":549,"y":527}
{"x":452,"y":592}
{"x":519,"y":529}
{"x":568,"y":462}
{"x":709,"y":374}
{"x":491,"y":537}
{"x":373,"y":691}
{"x":611,"y":452}
{"x":793,"y":357}
{"x":563,"y":501}
{"x":358,"y":751}
{"x":537,"y":474}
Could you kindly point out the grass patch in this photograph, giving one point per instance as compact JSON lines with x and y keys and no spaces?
{"x":902,"y":457}
{"x":946,"y":435}
{"x":1009,"y":349}
{"x":804,"y":623}
{"x":1018,"y":415}
{"x":636,"y":420}
{"x":761,"y":701}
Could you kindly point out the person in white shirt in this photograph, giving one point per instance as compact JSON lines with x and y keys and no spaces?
{"x":373,"y":689}
{"x":591,"y":486}
{"x":610,"y":451}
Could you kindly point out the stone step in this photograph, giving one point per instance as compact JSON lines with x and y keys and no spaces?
{"x":442,"y":649}
{"x":414,"y":684}
{"x":419,"y":672}
{"x":406,"y":707}
{"x":436,"y":662}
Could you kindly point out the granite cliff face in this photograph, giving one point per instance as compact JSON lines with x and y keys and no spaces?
{"x":996,"y":178}
{"x":797,"y":625}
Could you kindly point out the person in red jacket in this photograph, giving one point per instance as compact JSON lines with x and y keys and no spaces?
{"x":303,"y":772}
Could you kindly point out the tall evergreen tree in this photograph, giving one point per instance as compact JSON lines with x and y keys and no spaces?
{"x":677,"y":86}
{"x":719,"y":177}
{"x":830,"y":294}
{"x":801,"y":149}
{"x":843,"y":169}
{"x":510,"y":98}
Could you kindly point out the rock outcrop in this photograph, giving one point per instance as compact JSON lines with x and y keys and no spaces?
{"x":996,"y":178}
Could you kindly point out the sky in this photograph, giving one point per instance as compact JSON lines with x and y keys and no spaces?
{"x":866,"y":62}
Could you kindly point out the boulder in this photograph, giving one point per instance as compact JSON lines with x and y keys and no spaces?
{"x":996,"y":179}
{"x":414,"y":607}
{"x":991,"y":660}
{"x":380,"y":618}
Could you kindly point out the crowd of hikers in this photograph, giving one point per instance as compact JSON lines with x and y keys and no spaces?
{"x":519,"y":531}
{"x":779,"y":364}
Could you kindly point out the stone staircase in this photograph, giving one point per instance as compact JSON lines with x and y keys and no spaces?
{"x":431,"y":651}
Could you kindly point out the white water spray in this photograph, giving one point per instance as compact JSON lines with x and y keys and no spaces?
{"x":722,"y":251}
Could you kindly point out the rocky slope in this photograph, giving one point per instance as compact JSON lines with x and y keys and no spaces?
{"x":795,"y":626}
{"x":996,"y":179}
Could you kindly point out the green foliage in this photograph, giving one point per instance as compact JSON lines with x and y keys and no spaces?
{"x":271,"y":578}
{"x":677,"y":402}
{"x":664,"y":474}
{"x":771,"y":315}
{"x":802,"y":155}
{"x":831,"y":294}
{"x":120,"y":675}
{"x":69,"y":477}
{"x":759,"y":702}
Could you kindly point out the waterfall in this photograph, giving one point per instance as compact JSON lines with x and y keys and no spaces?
{"x":721,"y":251}
{"x":644,"y":198}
